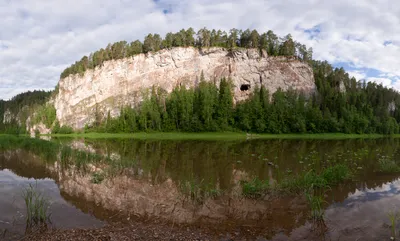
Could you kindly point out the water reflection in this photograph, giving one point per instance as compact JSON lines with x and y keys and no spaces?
{"x":18,"y":169}
{"x":198,"y":182}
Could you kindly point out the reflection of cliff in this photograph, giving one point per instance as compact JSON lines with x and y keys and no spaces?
{"x":24,"y":164}
{"x":165,"y":201}
{"x":148,"y":178}
{"x":155,"y":195}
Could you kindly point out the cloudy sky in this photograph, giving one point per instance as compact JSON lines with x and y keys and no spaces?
{"x":39,"y":38}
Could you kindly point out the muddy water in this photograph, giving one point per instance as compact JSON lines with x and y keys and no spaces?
{"x":199,"y":183}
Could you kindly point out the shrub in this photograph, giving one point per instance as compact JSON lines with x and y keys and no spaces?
{"x":254,"y":188}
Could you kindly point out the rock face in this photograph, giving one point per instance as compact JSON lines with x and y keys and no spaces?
{"x":8,"y":116}
{"x":122,"y":82}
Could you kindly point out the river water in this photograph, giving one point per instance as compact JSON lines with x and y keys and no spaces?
{"x":90,"y":183}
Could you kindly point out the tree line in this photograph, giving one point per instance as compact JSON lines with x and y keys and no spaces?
{"x":21,"y":107}
{"x":341,"y":105}
{"x":269,"y":41}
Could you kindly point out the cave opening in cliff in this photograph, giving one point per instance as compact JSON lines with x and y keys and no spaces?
{"x":244,"y":87}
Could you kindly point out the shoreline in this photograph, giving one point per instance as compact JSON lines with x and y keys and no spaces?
{"x":220,"y":136}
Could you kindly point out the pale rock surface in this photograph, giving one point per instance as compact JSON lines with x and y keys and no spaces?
{"x":41,"y":128}
{"x":7,"y":117}
{"x":122,"y":82}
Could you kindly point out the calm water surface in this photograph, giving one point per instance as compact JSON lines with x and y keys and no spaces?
{"x":92,"y":182}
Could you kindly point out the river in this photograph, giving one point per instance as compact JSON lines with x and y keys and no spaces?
{"x":90,"y":183}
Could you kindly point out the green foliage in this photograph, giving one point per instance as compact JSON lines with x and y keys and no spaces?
{"x":208,"y":108}
{"x":56,"y":128}
{"x":97,"y":177}
{"x":393,"y":216}
{"x":37,"y":133}
{"x":329,"y":177}
{"x":340,"y":105}
{"x":316,"y":205}
{"x":336,"y":174}
{"x":65,"y":130}
{"x":37,"y":206}
{"x":199,"y":191}
{"x":388,"y":165}
{"x":254,"y":188}
{"x":20,"y":107}
{"x":45,"y":114}
{"x":186,"y":38}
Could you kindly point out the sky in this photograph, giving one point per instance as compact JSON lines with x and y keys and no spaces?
{"x":40,"y":38}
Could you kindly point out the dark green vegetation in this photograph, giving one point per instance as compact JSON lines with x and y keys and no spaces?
{"x":97,"y":177}
{"x":326,"y":178}
{"x":254,"y":188}
{"x":340,"y":105}
{"x":316,"y":203}
{"x":203,"y":39}
{"x":388,"y":165}
{"x":362,"y":109}
{"x":226,"y":136}
{"x":14,"y":112}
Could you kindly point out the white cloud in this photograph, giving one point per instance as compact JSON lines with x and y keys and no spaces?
{"x":40,"y":38}
{"x":384,"y":81}
{"x":358,"y":74}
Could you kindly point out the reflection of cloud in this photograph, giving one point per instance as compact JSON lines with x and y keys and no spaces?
{"x":388,"y":189}
{"x":361,"y":216}
{"x":364,"y":212}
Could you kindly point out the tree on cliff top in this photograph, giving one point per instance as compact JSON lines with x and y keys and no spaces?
{"x":204,"y":38}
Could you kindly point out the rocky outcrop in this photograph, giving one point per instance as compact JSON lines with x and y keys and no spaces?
{"x":122,"y":82}
{"x":8,"y":116}
{"x":40,"y":128}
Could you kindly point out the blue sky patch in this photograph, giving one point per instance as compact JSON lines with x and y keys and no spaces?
{"x":312,"y":32}
{"x":386,"y":43}
{"x":367,"y":71}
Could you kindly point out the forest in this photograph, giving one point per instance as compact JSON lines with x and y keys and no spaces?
{"x":20,"y":107}
{"x":340,"y":105}
{"x":358,"y":108}
{"x":204,"y":38}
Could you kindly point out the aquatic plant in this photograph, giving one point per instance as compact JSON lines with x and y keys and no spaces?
{"x":329,"y":177}
{"x":97,"y":177}
{"x":393,"y":217}
{"x":316,"y":205}
{"x":303,"y":182}
{"x":254,"y":188}
{"x":198,"y":191}
{"x":336,"y":174}
{"x":37,"y":206}
{"x":387,"y":165}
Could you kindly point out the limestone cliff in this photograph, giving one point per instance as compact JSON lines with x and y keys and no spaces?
{"x":121,"y":82}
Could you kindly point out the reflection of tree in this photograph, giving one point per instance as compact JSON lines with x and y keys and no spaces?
{"x":151,"y":173}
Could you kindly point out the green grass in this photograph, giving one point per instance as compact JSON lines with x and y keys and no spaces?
{"x":97,"y":177}
{"x":393,"y":217}
{"x":329,"y":177}
{"x":37,"y":206}
{"x":300,"y":183}
{"x":198,"y":191}
{"x":388,"y":166}
{"x":316,"y":206}
{"x":254,"y":188}
{"x":219,"y":136}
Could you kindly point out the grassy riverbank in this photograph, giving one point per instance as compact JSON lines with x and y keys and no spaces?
{"x":220,"y":136}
